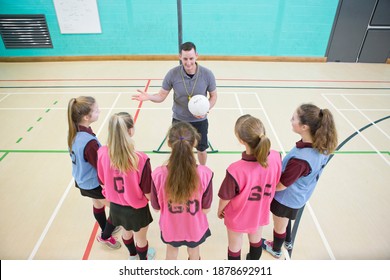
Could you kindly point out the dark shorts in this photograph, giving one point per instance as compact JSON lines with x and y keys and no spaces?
{"x":95,"y":193}
{"x":283,"y":211}
{"x":130,"y":218}
{"x":203,"y":128}
{"x":190,"y":244}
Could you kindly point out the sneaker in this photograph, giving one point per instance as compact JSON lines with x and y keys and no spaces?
{"x":111,"y":242}
{"x":267,"y":245}
{"x":116,"y":230}
{"x":134,"y":258}
{"x":150,"y":256}
{"x":288,"y":245}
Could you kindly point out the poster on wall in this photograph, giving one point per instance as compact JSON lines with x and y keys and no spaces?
{"x":77,"y":16}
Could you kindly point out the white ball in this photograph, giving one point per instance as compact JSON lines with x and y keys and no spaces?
{"x":199,"y":105}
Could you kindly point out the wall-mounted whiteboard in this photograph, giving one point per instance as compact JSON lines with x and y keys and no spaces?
{"x":77,"y":16}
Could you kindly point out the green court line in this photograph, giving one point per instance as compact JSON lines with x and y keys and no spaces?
{"x":240,"y":152}
{"x":167,"y":152}
{"x":35,"y":151}
{"x":152,"y":152}
{"x":3,"y":156}
{"x":28,"y":130}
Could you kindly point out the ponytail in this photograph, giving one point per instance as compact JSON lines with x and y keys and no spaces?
{"x":325,"y":137}
{"x":71,"y":124}
{"x":120,"y":144}
{"x":322,"y":127}
{"x":77,"y":109}
{"x":182,"y":181}
{"x":251,"y":130}
{"x":262,"y":149}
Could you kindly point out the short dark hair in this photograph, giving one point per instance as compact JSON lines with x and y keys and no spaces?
{"x":187,"y":46}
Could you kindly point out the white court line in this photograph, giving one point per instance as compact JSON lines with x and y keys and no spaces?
{"x":65,"y":194}
{"x":238,"y":104}
{"x":357,"y":131}
{"x":4,"y":97}
{"x":169,"y":108}
{"x":284,"y":251}
{"x":50,"y":222}
{"x":118,"y":108}
{"x":367,"y":110}
{"x":321,"y":232}
{"x":76,"y":93}
{"x":357,"y":109}
{"x":237,"y":92}
{"x":272,"y":127}
{"x":101,"y":108}
{"x":361,"y":94}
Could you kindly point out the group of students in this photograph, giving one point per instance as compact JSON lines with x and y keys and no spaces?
{"x":120,"y":177}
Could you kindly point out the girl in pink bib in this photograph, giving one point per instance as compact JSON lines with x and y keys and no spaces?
{"x":248,"y":188}
{"x":182,"y":191}
{"x":126,"y":175}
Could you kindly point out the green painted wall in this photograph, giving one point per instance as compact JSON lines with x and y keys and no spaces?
{"x":217,"y":27}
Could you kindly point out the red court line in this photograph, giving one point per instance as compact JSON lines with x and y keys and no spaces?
{"x":140,"y":103}
{"x":220,"y":79}
{"x":90,"y":242}
{"x":89,"y":79}
{"x":96,"y":226}
{"x":303,"y":81}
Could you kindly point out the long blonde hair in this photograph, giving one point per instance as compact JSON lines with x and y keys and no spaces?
{"x":322,"y":127}
{"x":120,"y":144}
{"x":251,"y":130}
{"x":77,"y":109}
{"x":183,"y":180}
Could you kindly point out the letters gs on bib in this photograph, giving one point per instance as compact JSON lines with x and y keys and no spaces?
{"x":192,"y":207}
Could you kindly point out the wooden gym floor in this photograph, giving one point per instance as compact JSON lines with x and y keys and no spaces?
{"x":45,"y":218}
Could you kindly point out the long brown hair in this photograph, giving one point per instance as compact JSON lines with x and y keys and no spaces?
{"x":322,"y":127}
{"x":120,"y":145}
{"x":251,"y":130}
{"x":182,"y":181}
{"x":77,"y":109}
